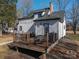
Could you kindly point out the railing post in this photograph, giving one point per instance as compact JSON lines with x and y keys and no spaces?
{"x":28,"y":37}
{"x":47,"y":39}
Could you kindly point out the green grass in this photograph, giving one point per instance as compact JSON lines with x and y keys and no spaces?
{"x":73,"y":37}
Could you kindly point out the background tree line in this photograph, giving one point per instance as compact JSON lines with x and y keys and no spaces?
{"x":72,"y":15}
{"x":8,"y":11}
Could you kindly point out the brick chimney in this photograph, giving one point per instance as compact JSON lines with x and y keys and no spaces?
{"x":51,"y":8}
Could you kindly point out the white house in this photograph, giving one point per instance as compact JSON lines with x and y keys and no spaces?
{"x":41,"y":22}
{"x":54,"y":23}
{"x":39,"y":32}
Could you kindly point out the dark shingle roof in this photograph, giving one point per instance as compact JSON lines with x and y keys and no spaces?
{"x":34,"y":12}
{"x":59,"y":15}
{"x":40,"y":10}
{"x":27,"y":17}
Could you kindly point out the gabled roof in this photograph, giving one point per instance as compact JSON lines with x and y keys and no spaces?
{"x":34,"y":12}
{"x":59,"y":15}
{"x":40,"y":10}
{"x":27,"y":17}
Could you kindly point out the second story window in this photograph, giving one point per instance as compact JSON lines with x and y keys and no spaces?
{"x":35,"y":15}
{"x":39,"y":15}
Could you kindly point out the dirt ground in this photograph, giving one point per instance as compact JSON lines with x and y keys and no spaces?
{"x":65,"y":49}
{"x":4,"y":48}
{"x":17,"y":55}
{"x":3,"y":51}
{"x":6,"y":38}
{"x":6,"y":53}
{"x":71,"y":32}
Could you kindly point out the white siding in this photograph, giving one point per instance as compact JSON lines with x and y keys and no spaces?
{"x":26,"y":25}
{"x":39,"y":30}
{"x":62,"y":29}
{"x":53,"y":27}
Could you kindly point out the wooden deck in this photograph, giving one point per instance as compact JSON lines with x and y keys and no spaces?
{"x":26,"y":42}
{"x":36,"y":47}
{"x":30,"y":47}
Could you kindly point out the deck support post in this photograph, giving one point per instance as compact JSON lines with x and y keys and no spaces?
{"x":28,"y":37}
{"x":43,"y":56}
{"x":14,"y":37}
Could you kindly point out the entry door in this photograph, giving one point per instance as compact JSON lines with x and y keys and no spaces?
{"x":46,"y":27}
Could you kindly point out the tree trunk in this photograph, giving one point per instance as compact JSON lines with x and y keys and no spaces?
{"x":74,"y":29}
{"x":74,"y":32}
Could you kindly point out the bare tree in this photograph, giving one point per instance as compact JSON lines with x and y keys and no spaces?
{"x":62,"y":4}
{"x":26,"y":7}
{"x":75,"y":15}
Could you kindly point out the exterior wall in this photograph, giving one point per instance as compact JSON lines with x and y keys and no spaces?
{"x":39,"y":28}
{"x":53,"y":27}
{"x":62,"y":29}
{"x":27,"y":25}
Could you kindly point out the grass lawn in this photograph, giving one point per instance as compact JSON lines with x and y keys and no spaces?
{"x":3,"y":51}
{"x":73,"y":37}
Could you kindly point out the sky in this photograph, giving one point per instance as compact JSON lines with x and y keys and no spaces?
{"x":38,"y":4}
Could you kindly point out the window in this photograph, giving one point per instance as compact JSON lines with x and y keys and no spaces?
{"x":46,"y":27}
{"x":20,"y":28}
{"x":39,"y":15}
{"x":43,"y":13}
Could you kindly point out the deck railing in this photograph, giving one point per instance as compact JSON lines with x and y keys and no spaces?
{"x":30,"y":38}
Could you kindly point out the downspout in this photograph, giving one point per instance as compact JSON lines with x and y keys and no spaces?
{"x":62,"y":30}
{"x":57,"y":30}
